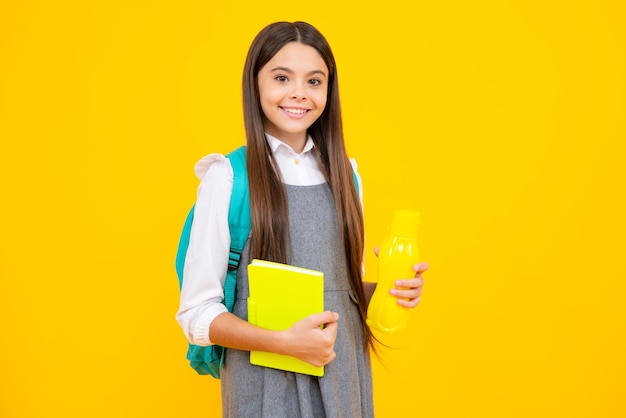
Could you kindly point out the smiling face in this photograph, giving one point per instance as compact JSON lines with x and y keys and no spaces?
{"x":293,"y":88}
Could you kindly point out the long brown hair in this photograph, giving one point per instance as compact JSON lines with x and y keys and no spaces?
{"x":268,"y":202}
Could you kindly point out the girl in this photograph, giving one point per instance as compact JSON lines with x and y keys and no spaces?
{"x":306,"y":212}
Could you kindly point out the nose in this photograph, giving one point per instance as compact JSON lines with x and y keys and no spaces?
{"x":298,"y":96}
{"x":298,"y":92}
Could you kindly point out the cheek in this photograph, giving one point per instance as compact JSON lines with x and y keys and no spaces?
{"x":320,"y":98}
{"x":267,"y":100}
{"x":270,"y":96}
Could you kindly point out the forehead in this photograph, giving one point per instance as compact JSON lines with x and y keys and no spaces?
{"x":297,"y":56}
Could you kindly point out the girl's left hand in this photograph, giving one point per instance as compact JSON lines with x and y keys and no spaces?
{"x":409,"y":291}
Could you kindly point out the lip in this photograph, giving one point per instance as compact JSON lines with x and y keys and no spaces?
{"x":304,"y":111}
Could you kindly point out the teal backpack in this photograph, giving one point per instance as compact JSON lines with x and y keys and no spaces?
{"x":209,"y":360}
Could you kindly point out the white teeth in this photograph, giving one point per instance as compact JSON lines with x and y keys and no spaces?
{"x":295,"y":111}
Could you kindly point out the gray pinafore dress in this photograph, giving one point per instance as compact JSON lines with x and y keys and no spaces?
{"x":345,"y":390}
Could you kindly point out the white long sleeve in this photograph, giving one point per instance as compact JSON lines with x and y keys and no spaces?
{"x":206,"y":262}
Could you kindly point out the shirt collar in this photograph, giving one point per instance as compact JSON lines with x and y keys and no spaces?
{"x":276,"y":144}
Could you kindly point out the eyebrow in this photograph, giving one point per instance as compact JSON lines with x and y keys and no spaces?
{"x":287,"y":70}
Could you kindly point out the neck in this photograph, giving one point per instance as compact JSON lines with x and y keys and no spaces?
{"x":296,"y":142}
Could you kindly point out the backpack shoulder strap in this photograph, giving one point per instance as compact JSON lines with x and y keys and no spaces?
{"x":239,"y":221}
{"x":183,"y":244}
{"x":239,"y":218}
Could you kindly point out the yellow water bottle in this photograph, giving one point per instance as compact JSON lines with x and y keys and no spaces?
{"x":396,"y":257}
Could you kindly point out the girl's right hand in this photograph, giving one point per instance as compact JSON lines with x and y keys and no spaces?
{"x":307,"y":341}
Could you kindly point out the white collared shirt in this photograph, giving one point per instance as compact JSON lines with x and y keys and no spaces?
{"x":299,"y":169}
{"x":206,"y":263}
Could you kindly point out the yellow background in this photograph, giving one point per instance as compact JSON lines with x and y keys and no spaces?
{"x":501,"y":121}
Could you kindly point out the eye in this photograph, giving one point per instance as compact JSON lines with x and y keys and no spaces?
{"x":315,"y":82}
{"x":281,"y":79}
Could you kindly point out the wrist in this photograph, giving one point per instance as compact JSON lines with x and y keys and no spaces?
{"x":280,"y":342}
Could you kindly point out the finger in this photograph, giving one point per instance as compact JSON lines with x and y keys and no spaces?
{"x":376,"y":250}
{"x":323,"y":318}
{"x":407,"y":294}
{"x":409,"y":303}
{"x":331,"y":330}
{"x":325,"y":360}
{"x":420,"y":268}
{"x":409,"y":283}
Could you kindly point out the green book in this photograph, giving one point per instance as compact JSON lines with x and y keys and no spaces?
{"x":280,"y":296}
